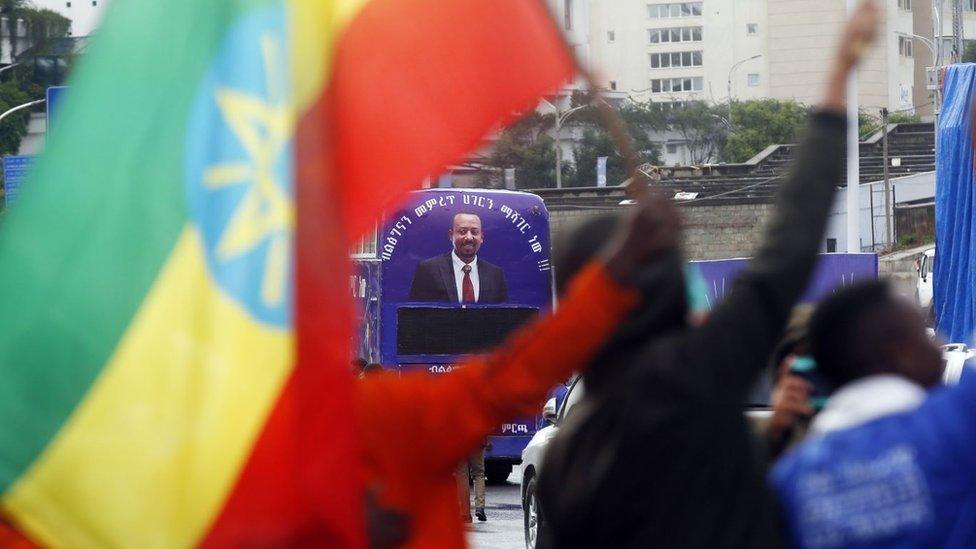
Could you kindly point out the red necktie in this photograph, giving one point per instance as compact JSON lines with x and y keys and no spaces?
{"x":467,"y":288}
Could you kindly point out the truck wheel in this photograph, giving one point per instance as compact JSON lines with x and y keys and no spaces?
{"x":497,"y":472}
{"x":532,"y":516}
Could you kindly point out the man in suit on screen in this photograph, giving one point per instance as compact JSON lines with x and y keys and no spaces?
{"x":459,"y":276}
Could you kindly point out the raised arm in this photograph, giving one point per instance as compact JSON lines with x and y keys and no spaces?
{"x":742,"y":330}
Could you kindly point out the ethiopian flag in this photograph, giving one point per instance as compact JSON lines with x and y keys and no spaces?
{"x":174,"y":324}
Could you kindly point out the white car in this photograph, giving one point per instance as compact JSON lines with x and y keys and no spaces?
{"x":532,"y":458}
{"x":955,"y":356}
{"x":924,"y":266}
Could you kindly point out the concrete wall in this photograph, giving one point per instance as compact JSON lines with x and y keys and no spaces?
{"x":711,"y":232}
{"x":904,"y":189}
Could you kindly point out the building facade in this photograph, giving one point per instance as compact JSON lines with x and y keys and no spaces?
{"x":672,"y":52}
{"x":802,"y":38}
{"x":84,"y":14}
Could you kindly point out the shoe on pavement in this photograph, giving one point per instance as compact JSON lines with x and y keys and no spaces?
{"x":480,"y":513}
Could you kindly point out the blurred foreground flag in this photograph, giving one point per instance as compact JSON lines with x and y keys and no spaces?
{"x":175,"y":327}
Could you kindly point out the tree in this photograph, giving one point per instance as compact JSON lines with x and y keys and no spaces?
{"x":702,"y":128}
{"x":14,"y":127}
{"x":969,"y":53}
{"x":596,"y":142}
{"x":761,"y":123}
{"x":42,"y":28}
{"x":525,"y":147}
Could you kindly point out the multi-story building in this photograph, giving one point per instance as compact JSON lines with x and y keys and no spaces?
{"x":801,"y":41}
{"x":84,"y":14}
{"x":666,"y":51}
{"x":714,"y":50}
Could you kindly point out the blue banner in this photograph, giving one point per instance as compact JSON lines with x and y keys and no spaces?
{"x":15,"y":170}
{"x":833,"y":271}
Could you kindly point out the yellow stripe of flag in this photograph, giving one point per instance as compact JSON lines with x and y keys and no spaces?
{"x":171,"y":421}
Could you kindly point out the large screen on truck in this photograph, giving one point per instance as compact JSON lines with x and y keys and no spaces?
{"x":454,"y":331}
{"x":460,"y":270}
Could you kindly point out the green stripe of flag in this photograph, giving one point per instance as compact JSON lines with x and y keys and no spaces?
{"x":100,"y":214}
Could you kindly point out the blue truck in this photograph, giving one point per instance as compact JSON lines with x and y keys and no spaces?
{"x":413,"y":311}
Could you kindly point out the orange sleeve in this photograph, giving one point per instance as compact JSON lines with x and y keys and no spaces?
{"x":433,"y":421}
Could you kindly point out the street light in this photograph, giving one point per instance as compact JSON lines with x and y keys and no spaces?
{"x":561,"y":117}
{"x":928,"y":43}
{"x":8,"y":67}
{"x":20,"y":107}
{"x":735,"y":66}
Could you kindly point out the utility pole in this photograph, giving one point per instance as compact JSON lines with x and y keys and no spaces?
{"x":853,"y":170}
{"x":887,"y":181}
{"x":958,"y":45}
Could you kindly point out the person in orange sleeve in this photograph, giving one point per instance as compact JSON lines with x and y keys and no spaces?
{"x":416,"y":428}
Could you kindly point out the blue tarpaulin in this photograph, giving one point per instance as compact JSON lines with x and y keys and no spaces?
{"x":954,"y":209}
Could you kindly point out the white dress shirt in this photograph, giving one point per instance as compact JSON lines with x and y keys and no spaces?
{"x":459,"y":276}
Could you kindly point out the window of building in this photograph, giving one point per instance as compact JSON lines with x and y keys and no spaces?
{"x":676,"y":59}
{"x":752,"y":28}
{"x":673,"y":85}
{"x":672,"y":148}
{"x":675,"y":35}
{"x":67,"y":4}
{"x":905,"y":46}
{"x":613,"y":85}
{"x":905,"y":4}
{"x":568,"y":14}
{"x":94,"y":3}
{"x":611,"y":36}
{"x":970,"y":5}
{"x":831,"y":245}
{"x":753,"y":79}
{"x":681,"y":9}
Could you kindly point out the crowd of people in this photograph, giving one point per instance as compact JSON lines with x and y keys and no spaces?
{"x":659,"y":452}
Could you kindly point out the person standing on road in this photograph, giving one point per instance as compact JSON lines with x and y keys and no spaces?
{"x":658,"y":453}
{"x":415,"y":428}
{"x":472,"y":469}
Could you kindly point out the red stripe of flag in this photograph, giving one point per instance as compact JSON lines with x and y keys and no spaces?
{"x":416,"y":85}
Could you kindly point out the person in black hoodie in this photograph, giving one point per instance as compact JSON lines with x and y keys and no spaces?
{"x":658,"y":453}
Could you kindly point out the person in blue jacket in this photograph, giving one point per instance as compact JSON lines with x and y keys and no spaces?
{"x":891,"y":460}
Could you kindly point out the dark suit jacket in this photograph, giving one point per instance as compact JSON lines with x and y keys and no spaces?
{"x":434,"y":281}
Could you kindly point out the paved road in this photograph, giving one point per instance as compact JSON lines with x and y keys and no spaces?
{"x":504,"y":527}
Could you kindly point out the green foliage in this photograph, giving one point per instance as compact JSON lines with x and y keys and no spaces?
{"x":902,"y":118}
{"x":703,"y":128}
{"x":43,"y":26}
{"x":761,"y":123}
{"x":869,"y":122}
{"x":969,"y":53}
{"x":596,"y":143}
{"x":524,"y":147}
{"x":705,"y":131}
{"x":14,"y":127}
